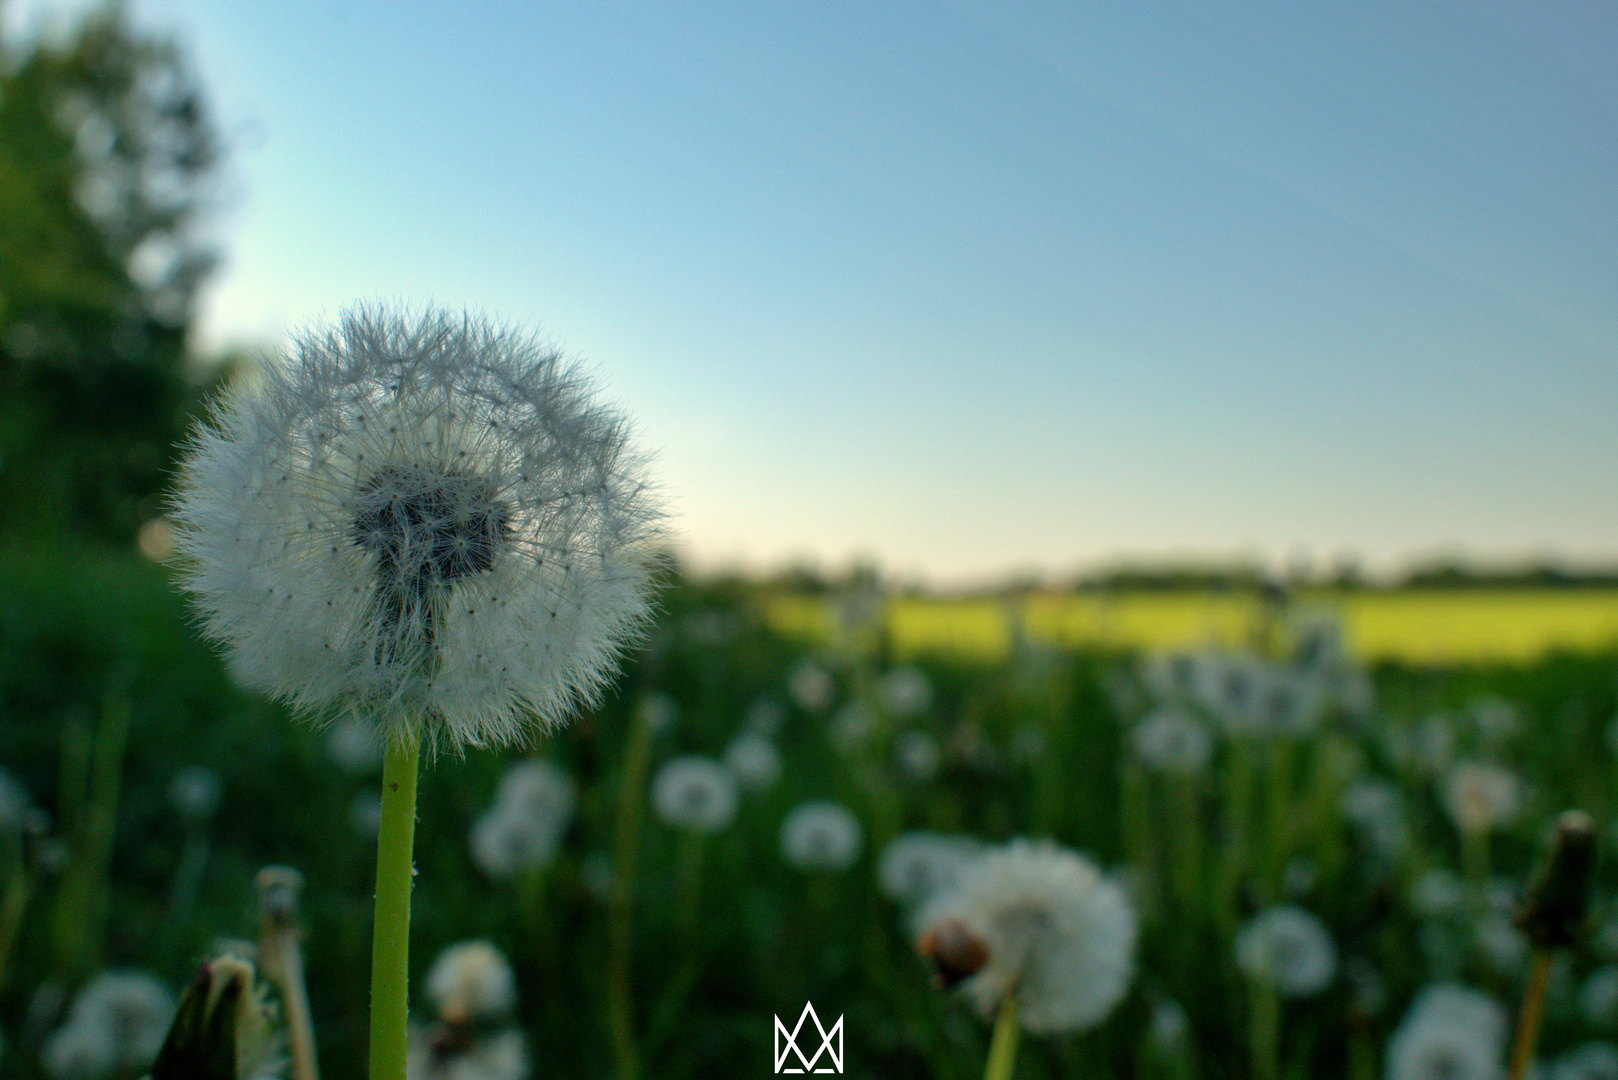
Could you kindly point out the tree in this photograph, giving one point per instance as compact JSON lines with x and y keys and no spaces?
{"x":106,"y":153}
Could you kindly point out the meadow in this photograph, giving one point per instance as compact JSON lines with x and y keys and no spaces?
{"x":1220,"y":760}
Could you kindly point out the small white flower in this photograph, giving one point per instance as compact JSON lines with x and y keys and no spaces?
{"x":365,"y":813}
{"x":118,"y":1022}
{"x":752,"y":756}
{"x":915,"y":865}
{"x":1038,"y":921}
{"x":821,"y":835}
{"x":1171,"y":740}
{"x":1289,"y":949}
{"x":423,"y":520}
{"x":195,"y":791}
{"x":472,"y":981}
{"x":1481,"y":796}
{"x":1451,"y":1033}
{"x":694,"y":792}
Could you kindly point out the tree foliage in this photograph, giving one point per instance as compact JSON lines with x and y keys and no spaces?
{"x":106,"y":153}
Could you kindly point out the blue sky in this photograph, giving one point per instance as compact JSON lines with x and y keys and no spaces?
{"x":970,"y":288}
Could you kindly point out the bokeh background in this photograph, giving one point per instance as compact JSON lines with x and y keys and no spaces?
{"x":1019,"y":377}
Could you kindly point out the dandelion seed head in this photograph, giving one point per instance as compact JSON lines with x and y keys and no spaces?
{"x":1288,"y":948}
{"x":1593,"y":1060}
{"x":195,"y":791}
{"x":118,"y":1022}
{"x":694,"y":792}
{"x":1481,"y":796}
{"x":1056,"y":932}
{"x":472,"y":981}
{"x":523,"y":828}
{"x":1451,"y":1033}
{"x":821,"y":835}
{"x":423,"y":520}
{"x":1169,"y":739}
{"x":915,"y":865}
{"x":754,"y":760}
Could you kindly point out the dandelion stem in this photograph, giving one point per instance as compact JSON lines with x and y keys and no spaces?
{"x":1003,"y":1047}
{"x":620,"y":1006}
{"x":390,"y":946}
{"x":1533,"y":1006}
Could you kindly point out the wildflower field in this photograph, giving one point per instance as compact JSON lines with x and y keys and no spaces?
{"x":1291,"y":864}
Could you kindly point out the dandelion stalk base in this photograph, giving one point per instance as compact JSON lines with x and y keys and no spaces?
{"x":390,"y":945}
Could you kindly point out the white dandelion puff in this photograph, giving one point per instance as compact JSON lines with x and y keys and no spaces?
{"x":1598,"y":997}
{"x":1287,"y":948}
{"x":1451,"y":1033}
{"x":906,"y":691}
{"x":1481,"y":796}
{"x":821,"y":835}
{"x":694,"y":792}
{"x":754,"y":760}
{"x":915,"y":865}
{"x":812,"y":689}
{"x":523,"y":828}
{"x":918,"y":754}
{"x":1171,"y":740}
{"x":117,"y":1023}
{"x":472,"y":981}
{"x":423,"y":520}
{"x":1037,"y":921}
{"x":195,"y":791}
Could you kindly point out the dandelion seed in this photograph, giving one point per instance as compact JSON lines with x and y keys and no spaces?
{"x":1289,"y":949}
{"x":821,"y":835}
{"x":694,"y":792}
{"x":1052,"y":929}
{"x":423,"y":520}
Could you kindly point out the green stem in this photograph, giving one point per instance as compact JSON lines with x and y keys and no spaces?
{"x":1533,"y":1006}
{"x":1003,"y":1048}
{"x":1266,"y":1030}
{"x":390,"y":947}
{"x":620,"y":1002}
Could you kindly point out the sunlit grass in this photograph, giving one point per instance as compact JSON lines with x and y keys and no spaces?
{"x":1485,"y":625}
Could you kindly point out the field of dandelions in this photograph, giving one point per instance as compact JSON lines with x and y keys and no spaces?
{"x":1249,"y":858}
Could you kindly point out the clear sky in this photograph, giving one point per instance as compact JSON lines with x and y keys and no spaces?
{"x":974,"y":287}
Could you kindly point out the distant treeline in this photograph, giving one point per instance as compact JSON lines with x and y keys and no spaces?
{"x":1213,"y":578}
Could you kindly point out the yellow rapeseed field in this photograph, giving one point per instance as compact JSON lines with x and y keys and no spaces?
{"x":1422,"y":626}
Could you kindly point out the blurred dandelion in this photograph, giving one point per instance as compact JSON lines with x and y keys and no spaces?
{"x":821,"y":835}
{"x":523,"y":828}
{"x":915,"y":865}
{"x":474,"y":991}
{"x":1481,"y":796}
{"x":1045,"y":927}
{"x":694,"y":792}
{"x":1451,"y":1032}
{"x":1289,"y":949}
{"x":754,"y":760}
{"x":1170,"y":740}
{"x":117,"y":1024}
